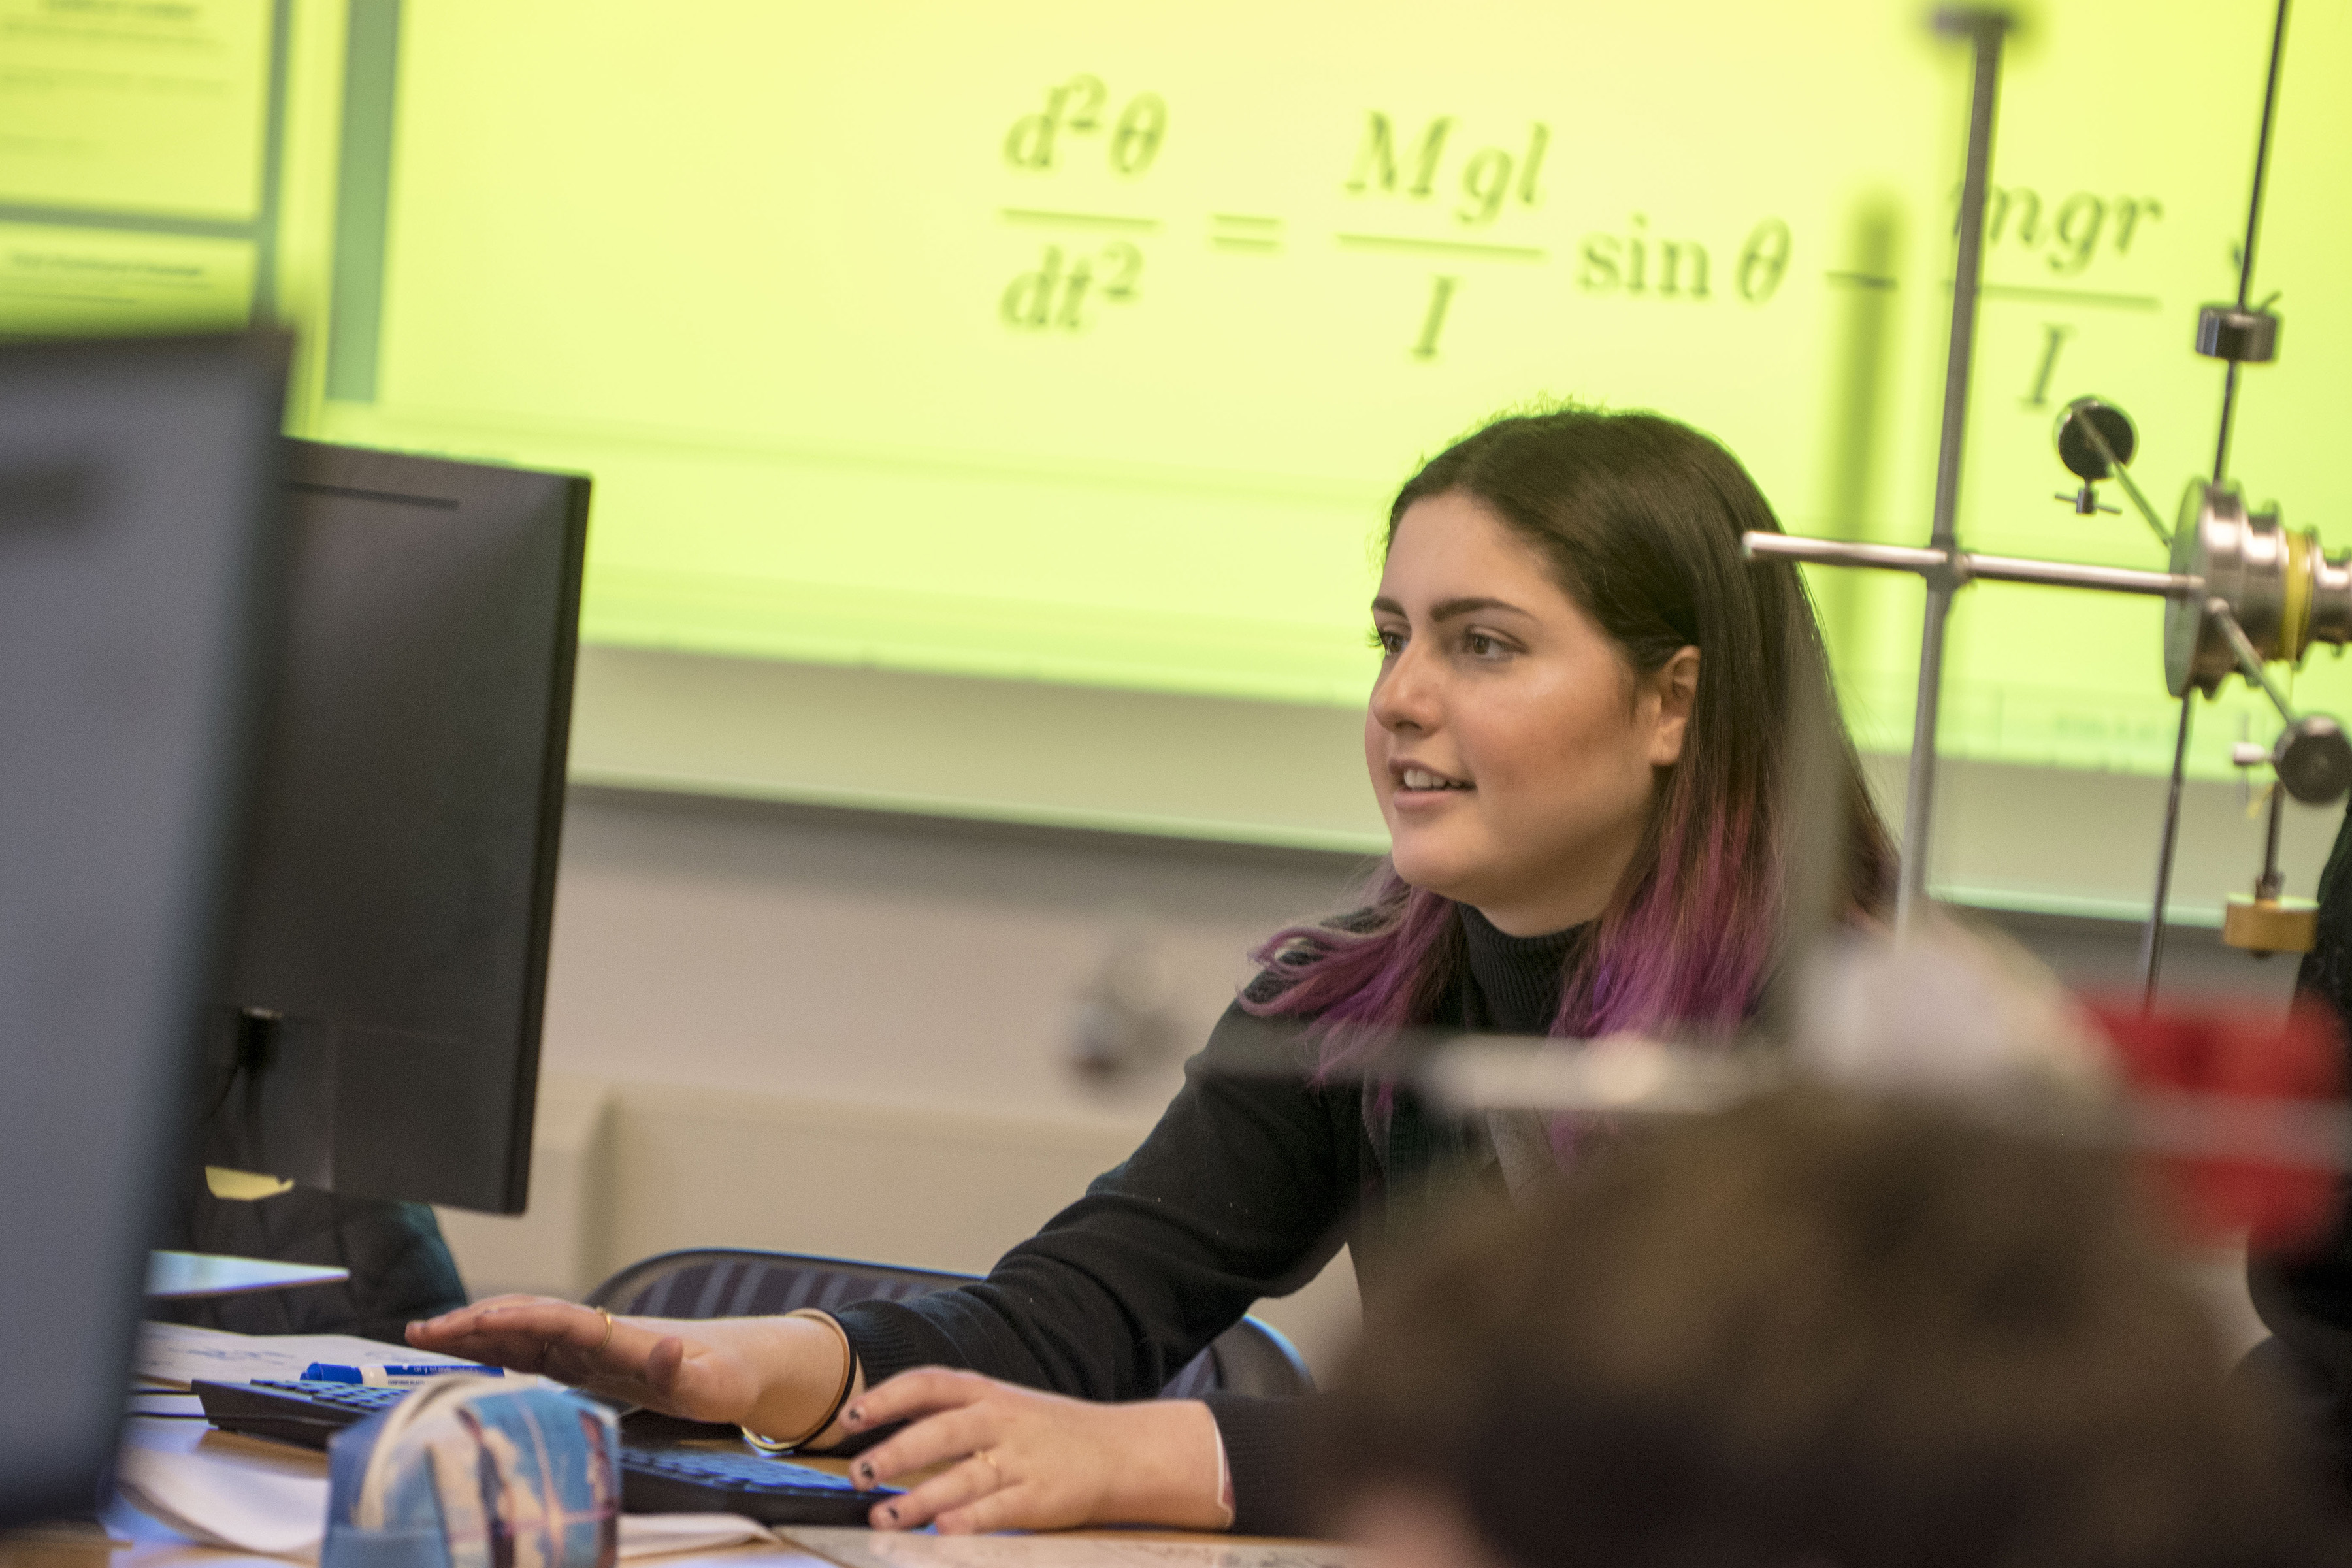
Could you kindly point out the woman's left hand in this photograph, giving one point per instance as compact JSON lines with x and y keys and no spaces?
{"x":1020,"y":1459}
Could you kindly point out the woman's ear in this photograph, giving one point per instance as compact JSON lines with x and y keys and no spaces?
{"x":1675,"y":684}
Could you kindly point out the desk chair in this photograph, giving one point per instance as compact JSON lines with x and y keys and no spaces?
{"x":401,"y":1268}
{"x":1251,"y":1357}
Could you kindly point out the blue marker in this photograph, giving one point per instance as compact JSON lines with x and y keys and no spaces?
{"x":389,"y":1376}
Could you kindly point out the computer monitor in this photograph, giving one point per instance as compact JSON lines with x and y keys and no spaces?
{"x":379,"y":1031}
{"x":137,"y":491}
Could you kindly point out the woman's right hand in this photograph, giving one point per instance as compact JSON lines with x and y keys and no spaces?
{"x":772,"y":1374}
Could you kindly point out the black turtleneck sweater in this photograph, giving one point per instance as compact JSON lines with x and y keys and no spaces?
{"x":1514,"y":981}
{"x":1254,"y":1178}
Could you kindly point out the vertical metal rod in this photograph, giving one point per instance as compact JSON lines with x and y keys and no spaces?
{"x":2151,"y":947}
{"x":2273,"y":880}
{"x":2261,"y":158}
{"x":1815,"y":832}
{"x":1919,"y":795}
{"x":2254,"y":229}
{"x":1984,"y":30}
{"x":2229,"y":408}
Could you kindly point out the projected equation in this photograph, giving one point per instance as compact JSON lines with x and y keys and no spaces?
{"x":1096,"y":260}
{"x":1484,"y":196}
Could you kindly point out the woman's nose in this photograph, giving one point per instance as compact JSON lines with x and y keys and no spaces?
{"x":1405,"y":697}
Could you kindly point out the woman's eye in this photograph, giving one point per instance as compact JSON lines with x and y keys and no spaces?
{"x":1478,"y":645}
{"x":1389,"y":643}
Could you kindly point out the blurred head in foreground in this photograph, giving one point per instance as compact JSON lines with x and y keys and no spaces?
{"x":1811,"y":1332}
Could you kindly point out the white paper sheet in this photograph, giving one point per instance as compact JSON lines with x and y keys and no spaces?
{"x":653,"y":1534}
{"x":228,"y":1499}
{"x":248,"y":1503}
{"x":887,"y":1549}
{"x":172,"y":1354}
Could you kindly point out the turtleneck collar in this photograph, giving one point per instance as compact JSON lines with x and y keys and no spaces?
{"x":1516,"y":980}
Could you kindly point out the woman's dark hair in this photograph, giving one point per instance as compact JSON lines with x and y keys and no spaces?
{"x":1820,"y":1331}
{"x":1640,"y":519}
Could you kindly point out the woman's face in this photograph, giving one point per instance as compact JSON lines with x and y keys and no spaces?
{"x":1511,"y":744}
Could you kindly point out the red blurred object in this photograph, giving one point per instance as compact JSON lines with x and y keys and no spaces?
{"x":2223,"y":1077}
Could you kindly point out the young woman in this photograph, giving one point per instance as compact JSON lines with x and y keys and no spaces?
{"x":1576,"y":738}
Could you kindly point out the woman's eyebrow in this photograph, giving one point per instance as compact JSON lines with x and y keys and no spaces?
{"x":1447,"y":609}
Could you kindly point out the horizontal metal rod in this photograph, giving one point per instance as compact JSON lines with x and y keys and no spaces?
{"x":1844,"y":552}
{"x":2073,"y":575}
{"x":1623,"y":1077}
{"x":1620,"y":1077}
{"x":1964,"y":566}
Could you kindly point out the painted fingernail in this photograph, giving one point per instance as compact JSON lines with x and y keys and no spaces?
{"x":866,"y":1472}
{"x":890,"y":1512}
{"x":854,"y":1416}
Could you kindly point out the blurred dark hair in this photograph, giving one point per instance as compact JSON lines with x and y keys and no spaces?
{"x":1817,"y":1332}
{"x":1640,"y":519}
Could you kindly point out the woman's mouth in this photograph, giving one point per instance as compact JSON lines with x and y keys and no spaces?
{"x":1421,"y":779}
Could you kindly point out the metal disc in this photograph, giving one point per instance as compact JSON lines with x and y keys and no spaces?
{"x":2233,"y":332}
{"x":2075,"y":448}
{"x":2315,"y":761}
{"x":2184,"y":619}
{"x":2242,"y":559}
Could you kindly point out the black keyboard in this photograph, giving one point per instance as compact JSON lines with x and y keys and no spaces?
{"x":713,"y":1480}
{"x":655,"y":1477}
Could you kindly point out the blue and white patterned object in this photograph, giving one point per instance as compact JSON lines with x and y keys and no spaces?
{"x":474,"y":1472}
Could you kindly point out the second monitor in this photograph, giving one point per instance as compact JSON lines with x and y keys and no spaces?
{"x":380,"y":1034}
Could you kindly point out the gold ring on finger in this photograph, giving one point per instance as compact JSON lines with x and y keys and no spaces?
{"x":608,"y":1333}
{"x":989,"y":1458}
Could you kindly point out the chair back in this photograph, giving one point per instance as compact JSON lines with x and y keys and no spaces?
{"x":1251,"y":1357}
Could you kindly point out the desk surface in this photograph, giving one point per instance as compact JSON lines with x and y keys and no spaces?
{"x":154,"y":1545}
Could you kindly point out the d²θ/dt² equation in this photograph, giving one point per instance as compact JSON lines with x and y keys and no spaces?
{"x":1479,"y":193}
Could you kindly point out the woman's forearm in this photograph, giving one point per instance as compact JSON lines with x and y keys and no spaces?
{"x":1174,"y":1475}
{"x":797,"y":1363}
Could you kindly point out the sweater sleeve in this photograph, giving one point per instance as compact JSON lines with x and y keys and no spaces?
{"x":1241,"y":1191}
{"x":1266,"y":1453}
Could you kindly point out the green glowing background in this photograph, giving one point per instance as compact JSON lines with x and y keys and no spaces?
{"x":1081,"y":344}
